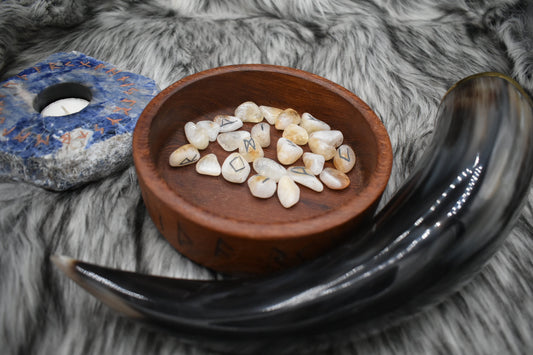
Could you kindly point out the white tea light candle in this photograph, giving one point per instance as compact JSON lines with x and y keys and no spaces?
{"x":64,"y":107}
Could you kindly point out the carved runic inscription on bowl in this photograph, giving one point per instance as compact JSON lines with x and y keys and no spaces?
{"x":223,"y":249}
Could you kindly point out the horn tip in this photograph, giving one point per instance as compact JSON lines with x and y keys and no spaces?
{"x":64,"y":263}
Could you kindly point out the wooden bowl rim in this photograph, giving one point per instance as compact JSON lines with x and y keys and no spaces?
{"x":147,"y":170}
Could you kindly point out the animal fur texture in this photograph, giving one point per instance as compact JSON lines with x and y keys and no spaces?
{"x":398,"y":56}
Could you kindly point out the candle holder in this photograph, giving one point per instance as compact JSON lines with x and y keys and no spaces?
{"x":66,"y":149}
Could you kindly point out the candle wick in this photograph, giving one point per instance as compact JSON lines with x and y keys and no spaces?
{"x":64,"y":109}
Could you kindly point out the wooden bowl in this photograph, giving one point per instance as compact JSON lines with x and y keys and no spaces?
{"x":220,"y":224}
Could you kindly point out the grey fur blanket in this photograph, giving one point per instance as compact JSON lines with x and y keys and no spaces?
{"x":400,"y":57}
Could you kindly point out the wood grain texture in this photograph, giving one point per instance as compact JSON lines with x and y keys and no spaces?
{"x":230,"y":230}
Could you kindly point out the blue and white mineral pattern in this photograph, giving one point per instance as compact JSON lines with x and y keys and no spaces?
{"x":62,"y":152}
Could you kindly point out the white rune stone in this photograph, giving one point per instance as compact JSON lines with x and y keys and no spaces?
{"x":229,"y":141}
{"x":228,"y":123}
{"x":286,"y":117}
{"x":270,"y":113}
{"x":288,"y":192}
{"x":320,"y":147}
{"x":250,"y":149}
{"x":212,"y":128}
{"x":235,"y":168}
{"x":261,"y":186}
{"x":249,"y":112}
{"x":314,"y":162}
{"x":305,"y":177}
{"x":288,"y":152}
{"x":208,"y":165}
{"x":312,"y":124}
{"x":296,"y":134}
{"x":332,"y":137}
{"x":197,"y":136}
{"x":184,"y":155}
{"x":261,"y":133}
{"x":334,"y":179}
{"x":344,"y":159}
{"x":269,"y":168}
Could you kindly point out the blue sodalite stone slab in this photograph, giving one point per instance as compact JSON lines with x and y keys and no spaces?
{"x":62,"y":152}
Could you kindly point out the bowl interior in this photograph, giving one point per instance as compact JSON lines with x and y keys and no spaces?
{"x":231,"y":207}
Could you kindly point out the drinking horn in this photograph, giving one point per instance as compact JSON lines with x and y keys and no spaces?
{"x":440,"y":227}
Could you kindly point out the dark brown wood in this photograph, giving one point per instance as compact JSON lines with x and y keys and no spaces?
{"x":220,"y":224}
